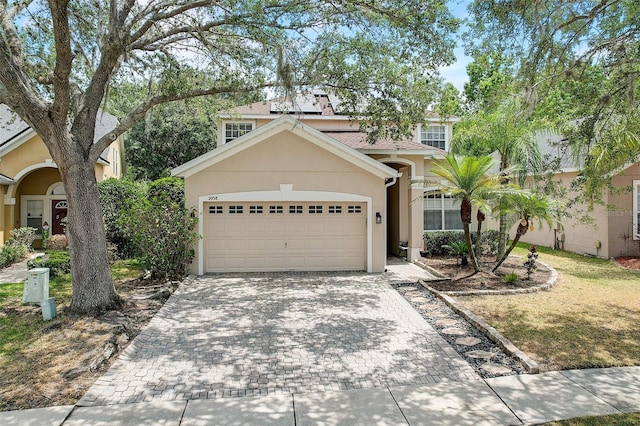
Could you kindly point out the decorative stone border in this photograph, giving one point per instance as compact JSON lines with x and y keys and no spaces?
{"x":530,"y":365}
{"x":546,"y":286}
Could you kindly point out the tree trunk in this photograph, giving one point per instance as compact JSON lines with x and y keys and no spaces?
{"x":93,"y":290}
{"x":502,"y":236}
{"x":522,"y":229}
{"x":480,"y":217}
{"x":472,"y":254}
{"x":465,"y":216}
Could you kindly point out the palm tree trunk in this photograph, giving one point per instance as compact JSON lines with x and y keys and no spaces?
{"x":472,"y":254}
{"x":519,"y":233}
{"x":502,"y":236}
{"x":480,"y":217}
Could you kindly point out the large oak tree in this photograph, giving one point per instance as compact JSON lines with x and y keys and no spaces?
{"x":59,"y":58}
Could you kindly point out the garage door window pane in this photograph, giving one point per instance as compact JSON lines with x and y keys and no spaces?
{"x":255,"y":209}
{"x":335,"y":209}
{"x":296,"y":209}
{"x":276,"y":209}
{"x":215,"y":209}
{"x":235,"y":209}
{"x":315,"y":209}
{"x":354,"y":209}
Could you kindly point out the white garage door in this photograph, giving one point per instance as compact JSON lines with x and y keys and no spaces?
{"x":272,"y":236}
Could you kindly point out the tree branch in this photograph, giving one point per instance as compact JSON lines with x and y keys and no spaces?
{"x":140,"y":111}
{"x":64,"y":60}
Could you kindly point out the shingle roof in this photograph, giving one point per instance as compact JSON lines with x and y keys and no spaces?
{"x":6,"y":180}
{"x":11,"y":126}
{"x":358,"y":140}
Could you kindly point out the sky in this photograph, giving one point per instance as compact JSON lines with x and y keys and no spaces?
{"x":456,"y":73}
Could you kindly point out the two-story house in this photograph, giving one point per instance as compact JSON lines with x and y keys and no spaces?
{"x":295,"y":186}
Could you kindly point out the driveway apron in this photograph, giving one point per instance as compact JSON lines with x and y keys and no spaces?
{"x":233,"y":336}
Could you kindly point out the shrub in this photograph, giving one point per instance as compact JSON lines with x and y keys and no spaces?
{"x":530,"y":264}
{"x":57,"y":242}
{"x":460,"y":250}
{"x":58,"y":262}
{"x":8,"y":255}
{"x":23,"y":237}
{"x":435,"y":242}
{"x":162,"y":229}
{"x":488,"y":243}
{"x":167,"y":190}
{"x":116,"y":197}
{"x":17,"y":246}
{"x":510,"y":278}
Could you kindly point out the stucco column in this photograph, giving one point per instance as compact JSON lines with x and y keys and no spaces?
{"x":416,"y":219}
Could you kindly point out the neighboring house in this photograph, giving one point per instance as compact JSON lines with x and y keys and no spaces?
{"x":611,"y":230}
{"x":296,"y":186}
{"x":31,"y":189}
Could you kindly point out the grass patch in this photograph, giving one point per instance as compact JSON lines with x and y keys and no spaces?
{"x":35,"y":353}
{"x":614,"y":420}
{"x":589,"y":319}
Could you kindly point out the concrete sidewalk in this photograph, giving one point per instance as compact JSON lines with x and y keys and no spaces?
{"x":508,"y":400}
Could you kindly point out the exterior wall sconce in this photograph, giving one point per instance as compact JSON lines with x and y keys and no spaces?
{"x":378,"y":218}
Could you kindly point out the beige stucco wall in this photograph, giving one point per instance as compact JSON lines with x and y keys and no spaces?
{"x":580,"y":236}
{"x":289,"y":159}
{"x":33,"y":152}
{"x":621,"y":218}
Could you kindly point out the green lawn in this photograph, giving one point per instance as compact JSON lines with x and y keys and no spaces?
{"x":613,"y":420}
{"x":589,"y":319}
{"x":34,"y":353}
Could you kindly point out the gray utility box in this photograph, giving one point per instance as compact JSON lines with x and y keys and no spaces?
{"x":36,"y":288}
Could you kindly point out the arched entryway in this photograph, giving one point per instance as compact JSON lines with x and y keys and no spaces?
{"x":37,"y":199}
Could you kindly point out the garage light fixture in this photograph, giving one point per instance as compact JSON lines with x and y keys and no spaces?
{"x":378,"y":217}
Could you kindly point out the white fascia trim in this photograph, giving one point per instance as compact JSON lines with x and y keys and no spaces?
{"x":367,"y":151}
{"x":27,"y":135}
{"x":286,"y":193}
{"x":264,"y":132}
{"x":634,"y":209}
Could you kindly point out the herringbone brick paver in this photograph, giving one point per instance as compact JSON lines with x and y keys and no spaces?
{"x":233,"y":336}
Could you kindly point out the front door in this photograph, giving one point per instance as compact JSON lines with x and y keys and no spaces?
{"x":58,"y":212}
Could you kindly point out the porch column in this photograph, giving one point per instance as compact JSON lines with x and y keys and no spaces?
{"x":416,"y":219}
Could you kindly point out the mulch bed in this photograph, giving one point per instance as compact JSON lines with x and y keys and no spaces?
{"x":462,"y":278}
{"x":629,"y":262}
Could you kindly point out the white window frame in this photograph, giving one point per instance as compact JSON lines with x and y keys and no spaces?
{"x":426,"y":128}
{"x":442,"y":211}
{"x":227,"y":124}
{"x":636,"y":210}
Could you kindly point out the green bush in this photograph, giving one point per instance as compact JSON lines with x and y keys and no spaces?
{"x":167,"y":190}
{"x":58,"y":262}
{"x":435,"y":242}
{"x":510,"y":278}
{"x":162,"y":229}
{"x":18,"y":246}
{"x":116,"y":197}
{"x":489,"y":242}
{"x":57,"y":242}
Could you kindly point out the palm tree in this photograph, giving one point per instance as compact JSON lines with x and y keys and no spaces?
{"x":508,"y":133}
{"x":528,"y":207}
{"x":468,"y":179}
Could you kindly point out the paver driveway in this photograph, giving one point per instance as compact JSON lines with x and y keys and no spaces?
{"x":229,"y":336}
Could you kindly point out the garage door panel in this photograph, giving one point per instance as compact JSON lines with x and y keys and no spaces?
{"x":296,"y":237}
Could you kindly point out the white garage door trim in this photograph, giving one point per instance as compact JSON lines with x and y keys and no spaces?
{"x":286,"y":193}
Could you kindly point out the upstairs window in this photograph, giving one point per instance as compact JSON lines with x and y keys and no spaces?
{"x":434,"y":136}
{"x":235,"y":130}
